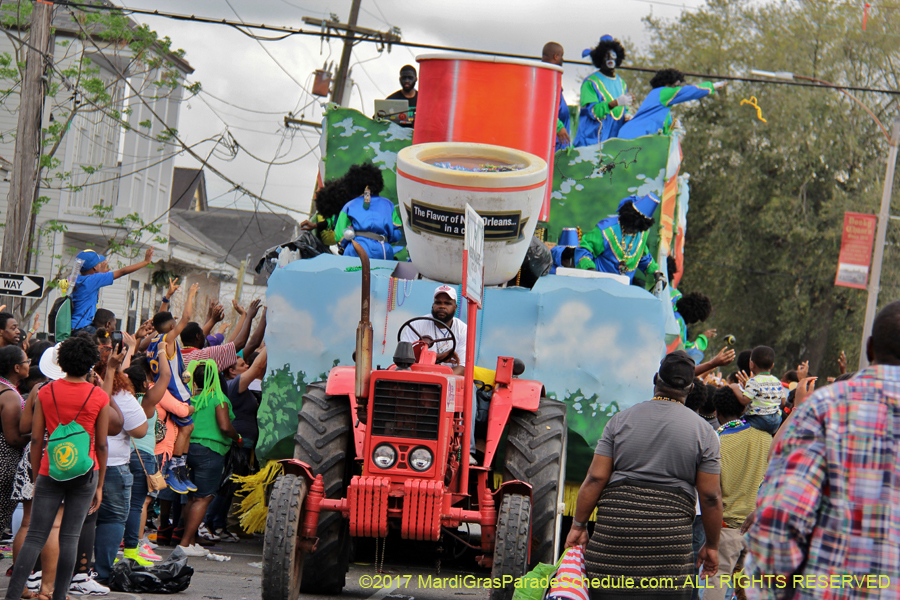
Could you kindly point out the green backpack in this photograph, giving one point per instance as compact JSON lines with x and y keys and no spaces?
{"x":69,"y":446}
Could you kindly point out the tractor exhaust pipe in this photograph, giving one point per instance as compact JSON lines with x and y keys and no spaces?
{"x":363,"y":340}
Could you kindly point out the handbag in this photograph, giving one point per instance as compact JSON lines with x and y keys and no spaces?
{"x":156,"y":481}
{"x":160,"y":429}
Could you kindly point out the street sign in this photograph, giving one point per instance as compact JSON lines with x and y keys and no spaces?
{"x":473,"y":265}
{"x":19,"y":284}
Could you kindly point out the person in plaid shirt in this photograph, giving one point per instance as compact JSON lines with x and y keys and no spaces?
{"x":828,"y":522}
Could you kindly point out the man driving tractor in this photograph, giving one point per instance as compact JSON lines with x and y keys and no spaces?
{"x":443,"y":309}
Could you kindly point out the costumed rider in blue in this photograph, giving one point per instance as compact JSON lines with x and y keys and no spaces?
{"x":370,"y":219}
{"x":567,"y":253}
{"x":605,"y":100}
{"x":553,"y":54}
{"x":619,"y":244}
{"x":655,"y":115}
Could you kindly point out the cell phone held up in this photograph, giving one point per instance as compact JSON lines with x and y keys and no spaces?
{"x":116,"y":341}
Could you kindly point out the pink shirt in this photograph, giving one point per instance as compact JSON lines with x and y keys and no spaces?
{"x":169,"y":404}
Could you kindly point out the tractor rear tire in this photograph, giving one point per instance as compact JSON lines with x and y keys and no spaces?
{"x":511,"y":543}
{"x":282,"y":558}
{"x":535,"y":454}
{"x":324,"y":442}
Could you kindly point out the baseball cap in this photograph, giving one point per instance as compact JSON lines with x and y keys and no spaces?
{"x":91,"y":259}
{"x":445,"y":289}
{"x":676,"y":370}
{"x":215,"y":339}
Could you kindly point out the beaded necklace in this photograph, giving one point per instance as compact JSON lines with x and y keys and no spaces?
{"x":666,"y":399}
{"x":7,"y":382}
{"x":731,"y":425}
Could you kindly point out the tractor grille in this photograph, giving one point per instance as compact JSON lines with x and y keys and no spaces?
{"x":406,"y":409}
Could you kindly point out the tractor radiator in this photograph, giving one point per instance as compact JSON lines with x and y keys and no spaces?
{"x":406,"y":409}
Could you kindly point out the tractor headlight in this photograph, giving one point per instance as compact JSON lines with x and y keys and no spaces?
{"x":384,"y":456}
{"x":420,"y":459}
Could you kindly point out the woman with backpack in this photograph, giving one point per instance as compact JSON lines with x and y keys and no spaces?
{"x":75,"y":414}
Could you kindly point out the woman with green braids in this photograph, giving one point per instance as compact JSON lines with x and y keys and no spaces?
{"x":212,"y":438}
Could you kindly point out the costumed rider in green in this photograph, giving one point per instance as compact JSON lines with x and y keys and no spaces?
{"x":619,"y":244}
{"x":605,"y":100}
{"x":329,"y":201}
{"x":690,"y":308}
{"x":371,"y":220}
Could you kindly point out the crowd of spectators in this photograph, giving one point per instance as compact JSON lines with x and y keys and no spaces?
{"x":167,"y":414}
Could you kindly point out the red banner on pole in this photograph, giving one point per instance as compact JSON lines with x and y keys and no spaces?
{"x":856,"y":250}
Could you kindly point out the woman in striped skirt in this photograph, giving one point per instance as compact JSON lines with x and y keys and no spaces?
{"x":647,"y":465}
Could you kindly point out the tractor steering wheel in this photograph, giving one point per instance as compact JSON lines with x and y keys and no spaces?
{"x":440,"y":325}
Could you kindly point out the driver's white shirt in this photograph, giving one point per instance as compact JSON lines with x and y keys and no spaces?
{"x":430,"y":329}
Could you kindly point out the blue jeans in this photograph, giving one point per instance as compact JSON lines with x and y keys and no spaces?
{"x":699,"y":538}
{"x":138,"y":494}
{"x":767,"y":423}
{"x":206,"y":470}
{"x":48,"y":495}
{"x":111,"y":517}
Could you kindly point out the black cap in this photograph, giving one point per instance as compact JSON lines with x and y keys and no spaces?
{"x":676,"y":370}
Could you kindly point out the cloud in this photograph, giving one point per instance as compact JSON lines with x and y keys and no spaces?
{"x":301,"y":337}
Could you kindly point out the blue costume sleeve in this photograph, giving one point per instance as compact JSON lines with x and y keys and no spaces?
{"x":686,"y":93}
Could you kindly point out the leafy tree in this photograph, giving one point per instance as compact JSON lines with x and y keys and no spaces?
{"x":768,"y":199}
{"x":77,"y":86}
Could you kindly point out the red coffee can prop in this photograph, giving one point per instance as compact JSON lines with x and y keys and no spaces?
{"x":490,"y":100}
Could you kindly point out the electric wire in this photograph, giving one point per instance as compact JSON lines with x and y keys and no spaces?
{"x":334,"y":35}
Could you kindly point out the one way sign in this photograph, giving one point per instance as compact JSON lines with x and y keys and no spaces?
{"x":19,"y":284}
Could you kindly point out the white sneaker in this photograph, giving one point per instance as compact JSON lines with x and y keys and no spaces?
{"x":83,"y":585}
{"x":472,"y":460}
{"x":34,"y":582}
{"x":194,"y":550}
{"x":227,"y":536}
{"x":206,"y":534}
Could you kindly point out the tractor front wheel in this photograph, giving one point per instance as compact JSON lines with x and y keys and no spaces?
{"x":323,"y":441}
{"x":282,"y":558}
{"x":535,"y":454}
{"x":511,"y":543}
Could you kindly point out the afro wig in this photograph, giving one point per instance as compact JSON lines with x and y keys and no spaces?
{"x":598,"y":54}
{"x":671,"y":267}
{"x":666,"y":77}
{"x":359,"y":177}
{"x":331,"y":198}
{"x":632,"y":221}
{"x":694,"y":307}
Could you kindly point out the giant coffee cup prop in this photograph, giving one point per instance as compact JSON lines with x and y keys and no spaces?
{"x":505,"y":186}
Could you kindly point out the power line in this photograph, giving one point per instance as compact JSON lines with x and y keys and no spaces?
{"x":174,"y":136}
{"x":328,"y":34}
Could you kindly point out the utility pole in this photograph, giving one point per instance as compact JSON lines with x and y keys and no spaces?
{"x":353,"y":34}
{"x":337,"y":94}
{"x":28,"y":148}
{"x":884,"y":215}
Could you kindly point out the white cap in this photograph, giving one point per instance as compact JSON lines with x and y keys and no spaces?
{"x":445,"y":289}
{"x":50,"y":363}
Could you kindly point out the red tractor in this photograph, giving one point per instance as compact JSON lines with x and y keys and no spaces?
{"x":388,"y":450}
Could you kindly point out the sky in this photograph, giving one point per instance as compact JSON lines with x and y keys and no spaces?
{"x":250,"y":86}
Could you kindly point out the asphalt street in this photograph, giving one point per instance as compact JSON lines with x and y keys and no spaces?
{"x":409,"y":572}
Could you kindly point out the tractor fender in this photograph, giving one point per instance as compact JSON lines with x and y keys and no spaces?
{"x":511,"y":487}
{"x":292,"y":466}
{"x":524,"y":394}
{"x":342,"y":382}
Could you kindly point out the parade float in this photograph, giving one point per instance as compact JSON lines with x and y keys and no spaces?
{"x":592,"y":341}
